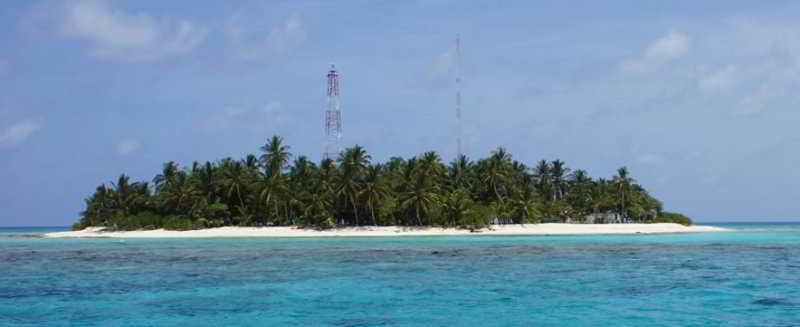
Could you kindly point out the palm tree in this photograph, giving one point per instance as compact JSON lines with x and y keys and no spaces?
{"x":251,"y":162}
{"x":579,"y":197}
{"x":123,"y":194}
{"x":457,"y":205}
{"x":235,"y":182}
{"x":421,"y":196}
{"x":178,"y":193}
{"x":317,"y":209}
{"x":275,"y":156}
{"x":558,"y":173}
{"x":99,"y":207}
{"x":430,"y":164}
{"x":523,"y":203}
{"x":496,"y":172}
{"x":541,"y":174}
{"x":326,"y":177}
{"x":459,"y":172}
{"x":622,"y":182}
{"x":352,"y":164}
{"x":206,"y":179}
{"x":301,"y":174}
{"x":374,"y":189}
{"x":417,"y":191}
{"x":168,"y":173}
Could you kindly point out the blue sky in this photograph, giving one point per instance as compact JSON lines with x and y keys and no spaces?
{"x":696,"y":98}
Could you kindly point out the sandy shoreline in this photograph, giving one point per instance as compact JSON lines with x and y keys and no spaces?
{"x":528,"y":229}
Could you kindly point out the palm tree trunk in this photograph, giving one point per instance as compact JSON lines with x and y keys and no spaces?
{"x":239,"y":195}
{"x":372,"y":212}
{"x":355,"y":210}
{"x":496,"y":193}
{"x":277,"y":210}
{"x":266,"y":204}
{"x":419,"y":221}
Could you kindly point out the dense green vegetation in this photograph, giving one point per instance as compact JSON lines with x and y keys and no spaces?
{"x":353,"y":191}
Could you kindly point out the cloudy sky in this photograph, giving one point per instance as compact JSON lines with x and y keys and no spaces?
{"x":697,"y":99}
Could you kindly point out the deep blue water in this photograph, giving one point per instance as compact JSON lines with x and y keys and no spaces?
{"x":748,"y":277}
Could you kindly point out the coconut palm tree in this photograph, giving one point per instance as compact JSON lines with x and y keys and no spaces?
{"x":205,"y":178}
{"x":180,"y":196}
{"x":235,"y":185}
{"x":457,"y":205}
{"x":421,"y":195}
{"x":317,"y":209}
{"x":541,"y":174}
{"x":374,"y":189}
{"x":458,"y":172}
{"x":352,"y":164}
{"x":168,"y":173}
{"x":496,"y":172}
{"x":269,"y":190}
{"x":99,"y":207}
{"x":524,"y":203}
{"x":558,"y":174}
{"x":275,"y":156}
{"x":417,"y":191}
{"x":622,"y":182}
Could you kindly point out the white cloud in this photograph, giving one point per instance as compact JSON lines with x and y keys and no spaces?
{"x":718,"y":81}
{"x":660,"y":52}
{"x":266,"y":118}
{"x":762,"y":98}
{"x":760,"y":70}
{"x":127,"y":146}
{"x":117,"y":34}
{"x":280,"y":40}
{"x":16,"y":133}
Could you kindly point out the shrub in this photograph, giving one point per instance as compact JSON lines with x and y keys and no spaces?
{"x":177,"y":223}
{"x":218,"y":210}
{"x":477,"y":217}
{"x":201,"y":223}
{"x":327,"y":223}
{"x":80,"y":225}
{"x":672,"y":217}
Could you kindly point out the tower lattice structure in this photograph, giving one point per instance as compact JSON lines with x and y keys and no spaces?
{"x":333,"y":116}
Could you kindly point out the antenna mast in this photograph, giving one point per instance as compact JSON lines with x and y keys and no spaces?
{"x":459,"y":150}
{"x":333,"y":117}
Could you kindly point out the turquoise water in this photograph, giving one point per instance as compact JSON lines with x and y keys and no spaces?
{"x":748,"y":277}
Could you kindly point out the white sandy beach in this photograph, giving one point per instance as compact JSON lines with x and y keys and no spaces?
{"x":528,"y":229}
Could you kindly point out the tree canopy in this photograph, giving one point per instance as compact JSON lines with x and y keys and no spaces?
{"x":352,"y":190}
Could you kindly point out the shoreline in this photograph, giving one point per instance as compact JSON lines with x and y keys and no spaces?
{"x":395,"y":231}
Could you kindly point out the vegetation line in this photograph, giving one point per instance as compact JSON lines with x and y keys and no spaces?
{"x":353,"y":191}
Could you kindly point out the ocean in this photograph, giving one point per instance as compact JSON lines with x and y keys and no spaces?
{"x":746,"y":277}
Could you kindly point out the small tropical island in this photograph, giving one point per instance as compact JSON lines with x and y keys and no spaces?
{"x":271,"y":195}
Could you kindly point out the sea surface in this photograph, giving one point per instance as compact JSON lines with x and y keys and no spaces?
{"x":747,"y":277}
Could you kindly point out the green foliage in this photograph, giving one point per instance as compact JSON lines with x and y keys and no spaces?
{"x":478,"y":216}
{"x":177,"y":223}
{"x":80,"y":224}
{"x":672,"y":217}
{"x":270,"y":189}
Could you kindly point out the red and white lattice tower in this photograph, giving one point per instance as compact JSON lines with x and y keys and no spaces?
{"x":333,"y":117}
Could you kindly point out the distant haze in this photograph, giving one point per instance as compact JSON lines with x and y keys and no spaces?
{"x":698,"y":99}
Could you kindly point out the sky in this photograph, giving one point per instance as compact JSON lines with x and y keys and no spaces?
{"x":696,"y":98}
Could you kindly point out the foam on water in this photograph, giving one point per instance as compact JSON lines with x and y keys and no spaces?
{"x":745,"y":277}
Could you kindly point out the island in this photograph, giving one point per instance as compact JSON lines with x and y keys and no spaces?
{"x":273,"y":195}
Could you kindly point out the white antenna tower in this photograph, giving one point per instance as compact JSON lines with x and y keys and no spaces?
{"x":333,"y":117}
